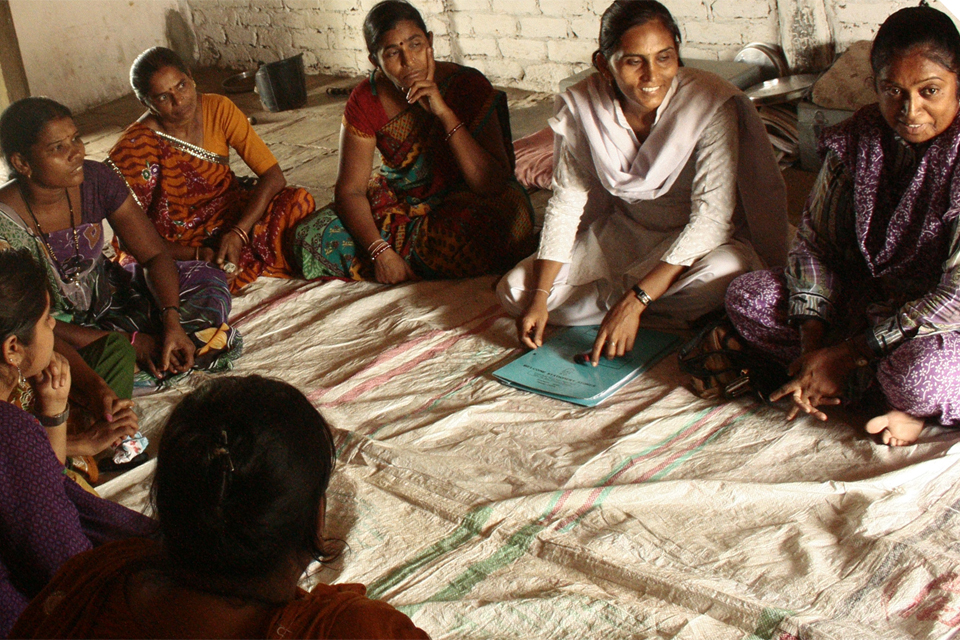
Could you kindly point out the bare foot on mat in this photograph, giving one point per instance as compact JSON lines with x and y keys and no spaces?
{"x":898,"y":429}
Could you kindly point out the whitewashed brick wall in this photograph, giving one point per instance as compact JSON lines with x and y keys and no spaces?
{"x":529,"y":44}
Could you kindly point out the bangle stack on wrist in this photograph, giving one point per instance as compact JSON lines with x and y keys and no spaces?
{"x":376,"y":248}
{"x":244,"y":238}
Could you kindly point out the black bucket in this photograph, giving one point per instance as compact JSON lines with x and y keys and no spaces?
{"x":282,"y":85}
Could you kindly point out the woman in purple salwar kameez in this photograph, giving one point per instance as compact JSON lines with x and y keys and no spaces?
{"x":870,"y":297}
{"x":45,"y":516}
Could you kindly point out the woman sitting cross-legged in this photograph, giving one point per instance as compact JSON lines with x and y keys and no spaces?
{"x":870,"y":298}
{"x":242,"y":471}
{"x":176,"y":160}
{"x":445,"y":203}
{"x":665,"y":189}
{"x":45,"y":517}
{"x":55,"y":206}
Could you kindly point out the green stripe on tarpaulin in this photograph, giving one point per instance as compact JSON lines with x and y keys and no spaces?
{"x":469,"y":527}
{"x":670,"y":467}
{"x":460,"y":586}
{"x":770,"y":619}
{"x":670,"y":438}
{"x":516,"y":545}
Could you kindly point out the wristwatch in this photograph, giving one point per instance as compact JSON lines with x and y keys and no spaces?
{"x":53,"y":421}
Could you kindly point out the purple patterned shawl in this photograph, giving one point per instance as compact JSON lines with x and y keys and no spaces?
{"x":901,"y":220}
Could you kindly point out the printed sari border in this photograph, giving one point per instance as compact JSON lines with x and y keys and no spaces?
{"x":193,"y":149}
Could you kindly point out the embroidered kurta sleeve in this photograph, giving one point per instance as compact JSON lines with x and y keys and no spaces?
{"x":936,"y":312}
{"x":810,"y":273}
{"x":826,"y":242}
{"x":571,"y":185}
{"x":713,"y":196}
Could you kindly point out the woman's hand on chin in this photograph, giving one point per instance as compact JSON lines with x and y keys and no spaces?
{"x":390,"y":268}
{"x":51,"y":386}
{"x":426,"y":92}
{"x":819,"y":378}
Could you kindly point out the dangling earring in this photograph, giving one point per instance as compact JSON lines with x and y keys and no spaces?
{"x":23,"y":394}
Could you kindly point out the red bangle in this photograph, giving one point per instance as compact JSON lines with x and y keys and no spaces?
{"x":453,"y":131}
{"x":378,"y":251}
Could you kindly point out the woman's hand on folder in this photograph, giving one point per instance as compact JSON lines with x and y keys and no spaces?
{"x":619,"y":329}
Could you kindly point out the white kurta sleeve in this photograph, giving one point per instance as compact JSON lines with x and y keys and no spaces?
{"x":713,"y":193}
{"x":571,"y":185}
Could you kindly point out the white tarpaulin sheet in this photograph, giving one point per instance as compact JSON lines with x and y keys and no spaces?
{"x":486,"y":512}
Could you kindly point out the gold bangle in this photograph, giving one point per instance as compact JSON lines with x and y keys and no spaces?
{"x":374,"y":244}
{"x":244,"y":238}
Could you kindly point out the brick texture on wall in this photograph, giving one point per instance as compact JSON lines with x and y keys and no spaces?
{"x":528,"y":44}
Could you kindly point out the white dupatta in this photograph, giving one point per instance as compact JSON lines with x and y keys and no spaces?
{"x":586,"y":121}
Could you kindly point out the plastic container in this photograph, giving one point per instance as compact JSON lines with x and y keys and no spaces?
{"x":282,"y":85}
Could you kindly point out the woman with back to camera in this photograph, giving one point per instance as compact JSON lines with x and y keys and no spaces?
{"x":445,"y":203}
{"x":870,"y":298}
{"x":176,"y":160}
{"x":242,"y":470}
{"x":668,"y":174}
{"x":45,"y":517}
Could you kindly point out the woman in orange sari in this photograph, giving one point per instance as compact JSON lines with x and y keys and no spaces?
{"x":176,"y":160}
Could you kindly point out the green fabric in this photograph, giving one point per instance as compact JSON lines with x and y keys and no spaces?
{"x":113,"y":358}
{"x":322,"y":246}
{"x":15,"y":235}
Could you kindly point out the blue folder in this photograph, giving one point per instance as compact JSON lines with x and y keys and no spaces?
{"x":550,"y":370}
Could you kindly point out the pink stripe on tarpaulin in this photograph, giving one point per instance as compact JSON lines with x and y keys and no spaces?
{"x":544,"y":520}
{"x":376,"y":381}
{"x":650,"y":473}
{"x":687,"y":432}
{"x":389,"y":354}
{"x":270,"y":305}
{"x":467,"y":380}
{"x":400,"y":349}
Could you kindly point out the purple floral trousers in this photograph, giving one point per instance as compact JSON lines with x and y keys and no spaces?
{"x":920,"y":377}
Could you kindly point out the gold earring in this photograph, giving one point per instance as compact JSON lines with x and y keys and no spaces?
{"x":23,"y":396}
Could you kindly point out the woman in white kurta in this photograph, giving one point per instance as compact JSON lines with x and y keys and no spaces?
{"x":665,"y":189}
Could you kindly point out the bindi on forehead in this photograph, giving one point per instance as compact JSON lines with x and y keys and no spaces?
{"x":400,"y":43}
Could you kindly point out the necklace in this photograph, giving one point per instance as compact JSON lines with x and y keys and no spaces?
{"x":71,"y":270}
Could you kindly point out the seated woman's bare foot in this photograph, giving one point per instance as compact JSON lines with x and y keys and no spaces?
{"x":898,"y":428}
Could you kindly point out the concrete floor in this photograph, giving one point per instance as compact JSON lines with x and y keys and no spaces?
{"x":305,"y":140}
